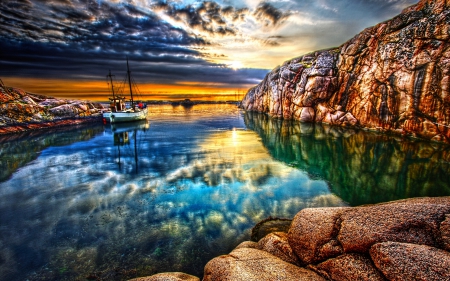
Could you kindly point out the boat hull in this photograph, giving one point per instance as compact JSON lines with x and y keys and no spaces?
{"x":125,"y":116}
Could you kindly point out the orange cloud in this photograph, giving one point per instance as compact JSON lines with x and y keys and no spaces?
{"x":100,"y":91}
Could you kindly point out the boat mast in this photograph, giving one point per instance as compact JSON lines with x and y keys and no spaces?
{"x":112,"y":87}
{"x":129,"y":82}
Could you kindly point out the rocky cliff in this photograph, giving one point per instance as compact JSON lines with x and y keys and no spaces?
{"x":392,"y":77}
{"x":21,"y":111}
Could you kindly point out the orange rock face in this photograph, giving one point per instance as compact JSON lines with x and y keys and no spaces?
{"x":394,"y":77}
{"x":21,"y":111}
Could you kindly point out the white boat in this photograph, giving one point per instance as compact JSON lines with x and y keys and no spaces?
{"x":118,"y":111}
{"x":126,"y":115}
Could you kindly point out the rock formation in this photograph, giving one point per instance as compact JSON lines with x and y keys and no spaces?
{"x":21,"y":111}
{"x":399,"y":240}
{"x":392,"y":77}
{"x":168,"y":276}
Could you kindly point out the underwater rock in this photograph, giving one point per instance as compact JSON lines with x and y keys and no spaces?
{"x":391,"y":77}
{"x":269,"y":225}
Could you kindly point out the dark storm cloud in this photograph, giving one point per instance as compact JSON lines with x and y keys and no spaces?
{"x":216,"y":19}
{"x":83,"y":39}
{"x":270,"y":15}
{"x":209,"y":16}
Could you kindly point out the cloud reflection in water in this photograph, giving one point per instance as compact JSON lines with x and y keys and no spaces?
{"x":199,"y":188}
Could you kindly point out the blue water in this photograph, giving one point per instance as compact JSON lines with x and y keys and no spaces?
{"x":112,"y":203}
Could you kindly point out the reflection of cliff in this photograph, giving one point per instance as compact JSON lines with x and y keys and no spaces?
{"x":361,"y":167}
{"x":18,"y":150}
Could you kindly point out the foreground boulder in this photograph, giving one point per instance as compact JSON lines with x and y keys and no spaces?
{"x":391,"y":77}
{"x":168,"y":276}
{"x":22,"y":111}
{"x":399,"y":240}
{"x":255,"y":265}
{"x":349,"y":267}
{"x":401,"y":261}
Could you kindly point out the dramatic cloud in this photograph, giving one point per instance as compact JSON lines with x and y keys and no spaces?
{"x":225,"y":42}
{"x":269,"y":14}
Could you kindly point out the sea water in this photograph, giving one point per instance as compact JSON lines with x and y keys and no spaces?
{"x":104,"y":202}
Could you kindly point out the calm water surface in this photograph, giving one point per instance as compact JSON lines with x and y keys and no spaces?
{"x":102,"y":203}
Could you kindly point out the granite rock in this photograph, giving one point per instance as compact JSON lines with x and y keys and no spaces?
{"x":255,"y":265}
{"x":168,"y":276}
{"x":359,"y":243}
{"x":445,"y":233}
{"x":277,"y":244}
{"x":402,"y":261}
{"x":390,"y":77}
{"x":313,"y":234}
{"x":22,"y":111}
{"x":355,"y":267}
{"x":247,"y":244}
{"x":411,"y":221}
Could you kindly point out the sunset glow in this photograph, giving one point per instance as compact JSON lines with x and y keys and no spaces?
{"x":101,"y":91}
{"x":177,"y":49}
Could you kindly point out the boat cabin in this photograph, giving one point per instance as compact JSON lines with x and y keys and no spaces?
{"x":117,"y":104}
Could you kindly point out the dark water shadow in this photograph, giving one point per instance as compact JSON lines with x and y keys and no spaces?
{"x":17,"y":150}
{"x":361,"y":167}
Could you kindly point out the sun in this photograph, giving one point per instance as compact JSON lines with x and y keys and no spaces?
{"x":235,"y":65}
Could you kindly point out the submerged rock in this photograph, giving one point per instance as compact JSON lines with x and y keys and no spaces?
{"x":269,"y":225}
{"x":390,"y":77}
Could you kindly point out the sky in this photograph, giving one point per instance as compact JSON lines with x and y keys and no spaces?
{"x":176,"y":48}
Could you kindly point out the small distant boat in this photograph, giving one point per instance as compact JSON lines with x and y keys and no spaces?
{"x":187,"y":103}
{"x":118,"y":111}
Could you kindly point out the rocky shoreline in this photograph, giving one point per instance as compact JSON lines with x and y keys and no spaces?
{"x":21,"y":111}
{"x":392,"y":77}
{"x":400,"y":240}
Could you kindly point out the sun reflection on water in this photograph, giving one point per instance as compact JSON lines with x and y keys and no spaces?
{"x":194,"y":192}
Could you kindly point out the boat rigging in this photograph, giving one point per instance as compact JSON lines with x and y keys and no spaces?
{"x":118,"y":110}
